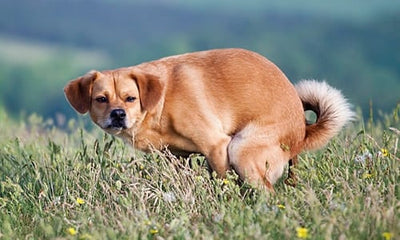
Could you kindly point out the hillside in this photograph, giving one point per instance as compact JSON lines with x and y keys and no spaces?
{"x":351,"y":45}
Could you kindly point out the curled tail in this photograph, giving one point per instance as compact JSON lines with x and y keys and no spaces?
{"x":332,"y":110}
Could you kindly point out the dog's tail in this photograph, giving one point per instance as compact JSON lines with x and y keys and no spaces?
{"x":332,"y":110}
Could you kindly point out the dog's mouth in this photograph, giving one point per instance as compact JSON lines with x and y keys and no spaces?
{"x":117,"y":125}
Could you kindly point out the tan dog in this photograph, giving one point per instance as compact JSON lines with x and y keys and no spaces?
{"x":232,"y":105}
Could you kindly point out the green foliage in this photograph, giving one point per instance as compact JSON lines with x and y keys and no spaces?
{"x":88,"y":185}
{"x":32,"y":76}
{"x":351,"y":44}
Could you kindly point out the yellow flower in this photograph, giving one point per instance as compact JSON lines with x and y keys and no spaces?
{"x":302,"y":232}
{"x":367,"y":175}
{"x":72,"y":231}
{"x":80,"y":201}
{"x":384,"y":152}
{"x":147,"y":222}
{"x":225,"y":181}
{"x":387,"y":235}
{"x":280,"y":206}
{"x":153,"y":230}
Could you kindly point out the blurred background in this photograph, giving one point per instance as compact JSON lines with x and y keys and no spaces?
{"x":352,"y":44}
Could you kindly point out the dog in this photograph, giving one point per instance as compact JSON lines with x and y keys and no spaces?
{"x":233,"y":106}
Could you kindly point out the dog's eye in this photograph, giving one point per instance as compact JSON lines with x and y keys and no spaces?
{"x":130,"y":99}
{"x":101,"y":99}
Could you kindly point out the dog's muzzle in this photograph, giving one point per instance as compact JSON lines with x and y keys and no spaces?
{"x":118,"y":119}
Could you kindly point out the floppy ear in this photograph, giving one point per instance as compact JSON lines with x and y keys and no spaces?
{"x":150,"y":89}
{"x":78,"y":91}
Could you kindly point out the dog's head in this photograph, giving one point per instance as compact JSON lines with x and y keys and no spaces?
{"x":116,"y":100}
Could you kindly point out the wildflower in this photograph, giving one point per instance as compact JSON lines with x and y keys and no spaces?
{"x":280,"y":206}
{"x":153,"y":230}
{"x":363,"y":157}
{"x":225,"y":181}
{"x":80,"y":201}
{"x":367,"y":175}
{"x":71,"y":231}
{"x":384,"y":152}
{"x":302,"y":232}
{"x":387,"y":235}
{"x":169,"y":197}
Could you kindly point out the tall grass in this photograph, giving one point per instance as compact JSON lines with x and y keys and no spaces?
{"x":78,"y":184}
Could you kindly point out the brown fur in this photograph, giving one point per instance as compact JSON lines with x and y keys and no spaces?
{"x":232,"y":105}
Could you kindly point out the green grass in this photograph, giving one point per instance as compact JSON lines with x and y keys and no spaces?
{"x":45,"y":172}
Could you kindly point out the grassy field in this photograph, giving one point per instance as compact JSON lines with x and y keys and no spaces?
{"x":79,"y":184}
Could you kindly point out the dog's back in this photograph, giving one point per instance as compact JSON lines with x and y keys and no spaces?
{"x":233,"y":86}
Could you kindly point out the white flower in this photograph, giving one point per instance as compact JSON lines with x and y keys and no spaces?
{"x":363,"y":157}
{"x":169,"y":197}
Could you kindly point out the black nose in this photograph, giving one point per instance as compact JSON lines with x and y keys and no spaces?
{"x":118,"y":114}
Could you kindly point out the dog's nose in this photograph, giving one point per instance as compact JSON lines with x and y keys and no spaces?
{"x":118,"y":114}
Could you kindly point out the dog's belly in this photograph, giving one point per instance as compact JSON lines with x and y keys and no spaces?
{"x":180,"y":153}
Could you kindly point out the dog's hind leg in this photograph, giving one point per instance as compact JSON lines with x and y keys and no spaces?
{"x":257,"y":157}
{"x":217,"y":155}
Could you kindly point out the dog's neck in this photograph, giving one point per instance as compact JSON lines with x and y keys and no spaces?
{"x":146,"y":132}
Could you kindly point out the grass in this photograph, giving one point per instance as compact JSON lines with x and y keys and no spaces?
{"x":79,"y":184}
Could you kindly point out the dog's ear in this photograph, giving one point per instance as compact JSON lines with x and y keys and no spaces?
{"x":151,"y":89}
{"x":78,"y":91}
